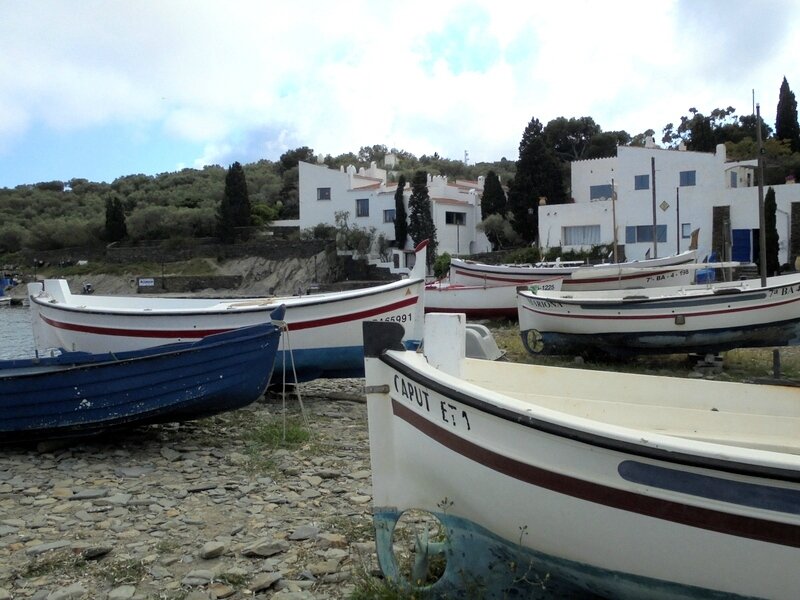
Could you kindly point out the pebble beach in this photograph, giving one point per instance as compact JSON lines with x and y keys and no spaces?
{"x":198,"y":510}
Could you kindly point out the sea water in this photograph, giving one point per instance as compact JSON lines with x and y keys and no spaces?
{"x":16,"y":335}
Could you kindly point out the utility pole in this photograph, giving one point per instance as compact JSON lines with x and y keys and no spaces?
{"x":762,"y":239}
{"x":678,"y":220}
{"x":614,"y":218}
{"x":655,"y":233}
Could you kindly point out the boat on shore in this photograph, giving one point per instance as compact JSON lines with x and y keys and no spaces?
{"x":657,"y":272}
{"x":705,"y":319}
{"x":562,"y":481}
{"x":79,"y":394}
{"x":322,"y":335}
{"x":479,"y":301}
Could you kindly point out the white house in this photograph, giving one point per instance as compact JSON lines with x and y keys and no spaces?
{"x":678,"y":190}
{"x":368,"y":197}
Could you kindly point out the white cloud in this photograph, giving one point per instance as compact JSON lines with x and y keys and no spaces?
{"x":422,"y":76}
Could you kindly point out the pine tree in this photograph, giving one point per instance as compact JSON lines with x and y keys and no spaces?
{"x":421,"y":226}
{"x":400,"y":217}
{"x":786,"y":125}
{"x":771,"y":233}
{"x":116,"y":228}
{"x":538,"y":176}
{"x":234,"y":209}
{"x":493,"y":200}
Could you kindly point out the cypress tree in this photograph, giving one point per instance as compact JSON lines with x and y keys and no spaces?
{"x":234,"y":209}
{"x":421,"y":226}
{"x":786,"y":125}
{"x":116,"y":229}
{"x":493,"y":200}
{"x":400,"y":217}
{"x":538,"y":175}
{"x":771,"y":233}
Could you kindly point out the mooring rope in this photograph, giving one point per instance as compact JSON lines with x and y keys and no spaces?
{"x":288,"y":347}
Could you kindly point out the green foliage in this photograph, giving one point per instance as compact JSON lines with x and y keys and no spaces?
{"x":771,"y":233}
{"x":441,"y":267}
{"x":421,"y":226}
{"x":570,"y":138}
{"x":234,"y":209}
{"x":499,"y":231}
{"x":277,"y":434}
{"x":262,"y":214}
{"x":352,"y":237}
{"x":538,"y":176}
{"x":529,"y":254}
{"x":702,"y":133}
{"x":493,"y":200}
{"x":786,"y":125}
{"x":320,"y":231}
{"x":66,"y":232}
{"x":12,"y":238}
{"x":400,"y":216}
{"x":116,"y":229}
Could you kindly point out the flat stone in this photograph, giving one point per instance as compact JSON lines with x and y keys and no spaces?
{"x":266,"y":547}
{"x":46,"y":547}
{"x":212,"y":550}
{"x":304,"y":532}
{"x":264,"y":581}
{"x":123,"y":592}
{"x":198,"y":577}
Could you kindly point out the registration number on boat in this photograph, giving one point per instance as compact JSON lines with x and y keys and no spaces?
{"x":404,"y":318}
{"x":416,"y":394}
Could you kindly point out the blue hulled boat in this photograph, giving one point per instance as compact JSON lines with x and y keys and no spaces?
{"x":78,"y":393}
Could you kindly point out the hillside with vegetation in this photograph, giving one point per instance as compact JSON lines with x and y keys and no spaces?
{"x":191,"y":204}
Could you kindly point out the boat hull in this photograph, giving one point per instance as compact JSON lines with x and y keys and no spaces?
{"x":322,"y":332}
{"x":701,"y":319}
{"x":525,"y":494}
{"x":79,"y":394}
{"x":660,"y":272}
{"x":477,"y":301}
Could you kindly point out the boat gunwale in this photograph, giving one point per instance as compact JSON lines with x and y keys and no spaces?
{"x":301,"y":301}
{"x":732,"y":466}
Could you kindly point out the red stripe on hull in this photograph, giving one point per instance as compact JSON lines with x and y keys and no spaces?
{"x":667,"y":510}
{"x":199,"y":333}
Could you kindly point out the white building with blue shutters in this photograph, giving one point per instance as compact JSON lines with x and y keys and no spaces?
{"x":678,"y":190}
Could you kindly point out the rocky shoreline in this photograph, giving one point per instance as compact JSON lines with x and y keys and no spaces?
{"x":198,"y":510}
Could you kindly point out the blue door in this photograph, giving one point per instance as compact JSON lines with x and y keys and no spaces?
{"x":742,"y":245}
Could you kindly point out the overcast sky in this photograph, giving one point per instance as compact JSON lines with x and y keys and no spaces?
{"x":99,"y":89}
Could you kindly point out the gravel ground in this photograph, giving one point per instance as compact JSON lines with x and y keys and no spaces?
{"x":198,"y":510}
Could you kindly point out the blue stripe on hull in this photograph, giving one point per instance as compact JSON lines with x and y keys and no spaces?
{"x":627,"y":344}
{"x":483,"y":565}
{"x":764,"y":497}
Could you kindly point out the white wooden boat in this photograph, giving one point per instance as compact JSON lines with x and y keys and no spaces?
{"x":658,"y":272}
{"x":322,"y":333}
{"x":479,"y":301}
{"x":708,"y":318}
{"x":552,"y":482}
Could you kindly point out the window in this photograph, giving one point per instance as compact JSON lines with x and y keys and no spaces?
{"x":686,"y":230}
{"x":455,"y":218}
{"x":323,"y":193}
{"x":644,"y":233}
{"x":581,"y":235}
{"x":688,"y":178}
{"x":641,"y":182}
{"x":600,"y":192}
{"x":734,"y":179}
{"x":389,"y":215}
{"x":362,"y":207}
